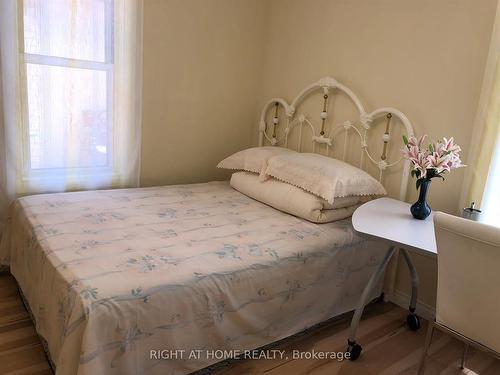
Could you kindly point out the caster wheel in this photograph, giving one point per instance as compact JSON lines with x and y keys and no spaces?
{"x":413,"y":321}
{"x":354,"y":351}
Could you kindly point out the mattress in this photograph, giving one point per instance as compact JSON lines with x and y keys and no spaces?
{"x":113,"y":277}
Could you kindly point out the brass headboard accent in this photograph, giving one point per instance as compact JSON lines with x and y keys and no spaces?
{"x":386,"y":137}
{"x":361,"y":127}
{"x":276,"y":119}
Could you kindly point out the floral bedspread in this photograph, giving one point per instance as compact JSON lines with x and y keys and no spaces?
{"x":113,"y":277}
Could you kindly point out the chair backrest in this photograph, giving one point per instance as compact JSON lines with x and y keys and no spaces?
{"x":468,"y":295}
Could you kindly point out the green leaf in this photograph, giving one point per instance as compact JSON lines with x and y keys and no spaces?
{"x":419,"y":182}
{"x":405,"y":140}
{"x":431,"y":147}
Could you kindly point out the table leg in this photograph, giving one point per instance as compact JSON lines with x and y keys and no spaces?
{"x":412,"y":319}
{"x":354,"y":348}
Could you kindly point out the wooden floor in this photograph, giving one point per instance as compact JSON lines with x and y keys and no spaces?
{"x":20,"y":349}
{"x":388,"y":346}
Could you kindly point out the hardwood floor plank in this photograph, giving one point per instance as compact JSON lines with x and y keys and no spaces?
{"x":39,"y":369}
{"x":8,"y":290}
{"x":25,"y":322}
{"x":13,"y":317}
{"x":18,"y":343}
{"x":10,"y":301}
{"x":22,"y":359}
{"x":16,"y":334}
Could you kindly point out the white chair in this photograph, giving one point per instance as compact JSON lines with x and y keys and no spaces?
{"x":468,"y":291}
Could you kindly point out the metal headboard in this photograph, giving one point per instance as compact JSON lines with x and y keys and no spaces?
{"x":328,"y":139}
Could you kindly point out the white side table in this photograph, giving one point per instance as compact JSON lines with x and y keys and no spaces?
{"x":390,"y":220}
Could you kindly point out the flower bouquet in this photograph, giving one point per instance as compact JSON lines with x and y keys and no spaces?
{"x":428,"y":161}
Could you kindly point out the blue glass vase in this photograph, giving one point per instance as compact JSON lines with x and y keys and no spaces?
{"x":420,"y":209}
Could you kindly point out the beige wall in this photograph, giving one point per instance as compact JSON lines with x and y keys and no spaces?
{"x":424,"y":57}
{"x":210,"y":64}
{"x":201,"y":69}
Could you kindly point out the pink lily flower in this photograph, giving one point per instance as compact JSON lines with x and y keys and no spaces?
{"x":412,"y":141}
{"x":449,"y":145}
{"x":438,"y":147}
{"x":411,"y":152}
{"x":439,"y":162}
{"x":455,"y":161}
{"x":441,"y":157}
{"x":421,"y":164}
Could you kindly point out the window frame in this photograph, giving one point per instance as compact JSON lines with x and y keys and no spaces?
{"x":106,"y":66}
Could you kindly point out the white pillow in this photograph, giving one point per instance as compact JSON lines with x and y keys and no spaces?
{"x":253,"y":159}
{"x":293,"y":200}
{"x":323,"y":176}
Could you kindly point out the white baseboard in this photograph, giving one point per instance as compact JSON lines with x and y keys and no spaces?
{"x":424,"y":310}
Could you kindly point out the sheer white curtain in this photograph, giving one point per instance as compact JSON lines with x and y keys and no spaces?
{"x":482,"y":182}
{"x":71,"y":94}
{"x":491,"y":196}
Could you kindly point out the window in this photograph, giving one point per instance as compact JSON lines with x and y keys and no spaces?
{"x":67,"y":50}
{"x":73,"y":73}
{"x":491,"y":198}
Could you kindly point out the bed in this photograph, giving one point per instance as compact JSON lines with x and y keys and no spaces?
{"x":113,"y":277}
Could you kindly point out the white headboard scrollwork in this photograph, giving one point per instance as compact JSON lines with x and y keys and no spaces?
{"x":327,"y":139}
